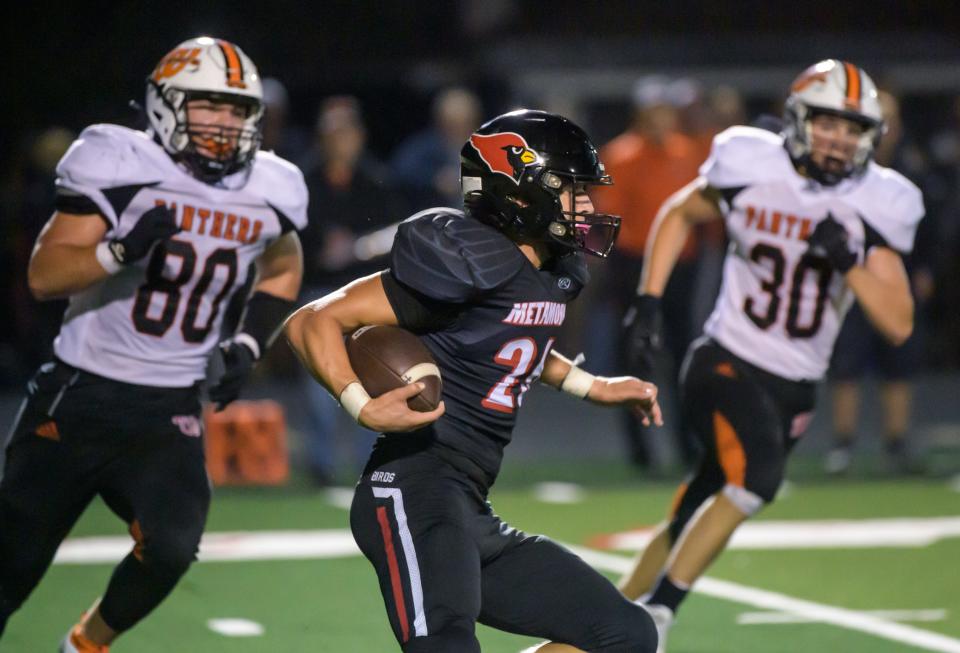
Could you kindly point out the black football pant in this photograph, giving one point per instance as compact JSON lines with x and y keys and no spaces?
{"x":747,"y":420}
{"x":140,"y":448}
{"x":445,"y":562}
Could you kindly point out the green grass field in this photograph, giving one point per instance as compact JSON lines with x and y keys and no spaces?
{"x":334,"y":605}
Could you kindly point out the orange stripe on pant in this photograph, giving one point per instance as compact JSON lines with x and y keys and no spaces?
{"x":394,"y":572}
{"x":137,"y":534}
{"x":733,"y":460}
{"x":677,"y":498}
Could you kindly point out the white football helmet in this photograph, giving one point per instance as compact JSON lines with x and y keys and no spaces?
{"x":212,"y":69}
{"x":839,"y":88}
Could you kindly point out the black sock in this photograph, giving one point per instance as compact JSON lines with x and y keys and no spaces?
{"x":668,"y":593}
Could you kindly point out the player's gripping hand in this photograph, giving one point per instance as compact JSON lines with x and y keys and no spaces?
{"x":629,"y":391}
{"x":389,"y":413}
{"x":157,"y":224}
{"x":236,"y":361}
{"x":830,"y":239}
{"x":643,"y":323}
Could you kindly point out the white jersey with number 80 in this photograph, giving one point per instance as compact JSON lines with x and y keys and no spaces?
{"x":155,"y":322}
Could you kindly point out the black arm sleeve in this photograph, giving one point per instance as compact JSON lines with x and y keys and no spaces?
{"x":265,"y":314}
{"x":415,"y":311}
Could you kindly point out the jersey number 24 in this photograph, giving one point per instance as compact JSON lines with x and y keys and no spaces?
{"x":518,"y":355}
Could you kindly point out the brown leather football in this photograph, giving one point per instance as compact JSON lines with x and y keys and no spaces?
{"x":388,"y":357}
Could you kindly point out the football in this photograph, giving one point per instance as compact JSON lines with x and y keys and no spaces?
{"x":388,"y":357}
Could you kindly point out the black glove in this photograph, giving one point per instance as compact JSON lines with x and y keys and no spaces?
{"x":830,"y":237}
{"x":643,"y":323}
{"x":159,"y":223}
{"x":236,"y":360}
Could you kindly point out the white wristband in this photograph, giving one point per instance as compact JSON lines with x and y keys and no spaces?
{"x":577,"y":382}
{"x":353,"y":398}
{"x":106,"y":259}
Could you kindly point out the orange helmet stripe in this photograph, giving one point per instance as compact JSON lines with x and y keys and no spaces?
{"x":234,"y":64}
{"x":853,"y":84}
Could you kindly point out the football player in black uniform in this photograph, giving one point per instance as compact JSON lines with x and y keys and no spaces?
{"x":486,"y":290}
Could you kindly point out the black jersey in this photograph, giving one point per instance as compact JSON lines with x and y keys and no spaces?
{"x":488,"y":316}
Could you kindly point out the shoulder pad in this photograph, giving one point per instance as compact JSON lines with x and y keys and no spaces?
{"x":283,"y":188}
{"x":892,"y":205}
{"x":742,"y":156}
{"x":450,"y":257}
{"x":105,"y":157}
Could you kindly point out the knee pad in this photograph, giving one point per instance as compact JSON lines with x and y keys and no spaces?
{"x":170,"y":556}
{"x":641,"y":633}
{"x":747,"y":502}
{"x":621,"y":628}
{"x":764,"y":480}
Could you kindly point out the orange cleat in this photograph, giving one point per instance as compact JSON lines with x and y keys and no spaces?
{"x":77,"y":642}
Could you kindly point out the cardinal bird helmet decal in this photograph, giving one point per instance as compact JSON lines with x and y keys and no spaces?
{"x":506,"y":153}
{"x":515,"y":172}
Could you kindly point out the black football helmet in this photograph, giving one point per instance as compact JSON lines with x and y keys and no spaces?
{"x":513,"y":171}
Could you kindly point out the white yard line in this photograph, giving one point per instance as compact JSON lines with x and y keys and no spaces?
{"x":556,"y":492}
{"x":221,"y":547}
{"x":334,"y":543}
{"x":762,"y":618}
{"x":818,"y":534}
{"x":850,"y":619}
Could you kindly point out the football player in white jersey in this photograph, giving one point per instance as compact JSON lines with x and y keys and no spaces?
{"x":156,"y":235}
{"x":814,"y":225}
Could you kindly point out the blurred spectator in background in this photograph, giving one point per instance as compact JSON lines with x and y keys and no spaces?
{"x":942,"y":197}
{"x":427,"y":164}
{"x":648,"y":163}
{"x":350,"y":195}
{"x":860,"y":349}
{"x":286,"y":140}
{"x":36,"y":323}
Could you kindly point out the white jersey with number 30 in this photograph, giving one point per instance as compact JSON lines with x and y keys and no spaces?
{"x":155,"y":322}
{"x":780,"y":308}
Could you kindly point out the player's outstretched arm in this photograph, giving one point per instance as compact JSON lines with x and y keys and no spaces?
{"x":315,"y":333}
{"x":693,"y":204}
{"x":561,"y":373}
{"x":64,"y":259}
{"x":882,"y":288}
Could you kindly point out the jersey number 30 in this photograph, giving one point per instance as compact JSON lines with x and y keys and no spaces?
{"x":822,"y":272}
{"x":518,"y":355}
